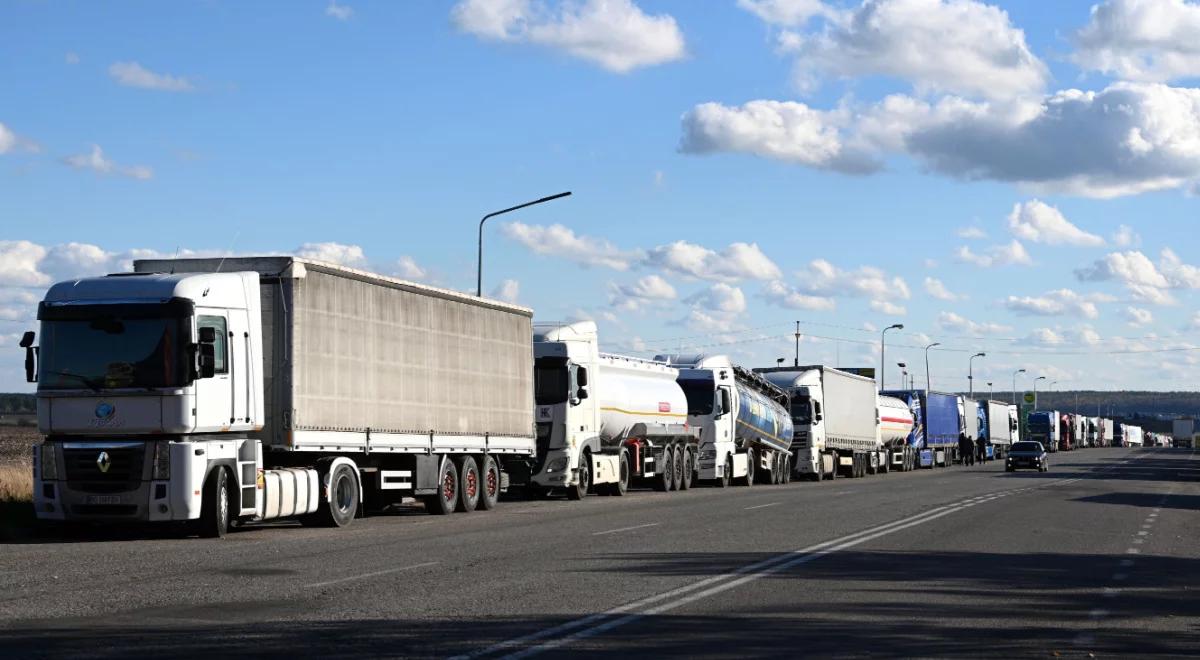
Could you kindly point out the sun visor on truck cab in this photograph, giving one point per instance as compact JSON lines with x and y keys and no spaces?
{"x":85,"y":310}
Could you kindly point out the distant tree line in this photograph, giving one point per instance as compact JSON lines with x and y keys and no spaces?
{"x":1126,"y":404}
{"x":17,"y":403}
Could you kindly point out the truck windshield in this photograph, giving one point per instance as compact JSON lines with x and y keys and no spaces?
{"x":1039,"y":423}
{"x":551,"y":381}
{"x":700,"y":393}
{"x":114,"y":352}
{"x":801,"y":409}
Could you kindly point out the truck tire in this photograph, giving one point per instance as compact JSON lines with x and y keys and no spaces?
{"x":622,"y":485}
{"x":584,"y":478}
{"x":443,"y":502}
{"x":468,"y":480}
{"x":751,"y":468}
{"x":787,"y":469}
{"x":689,"y":469}
{"x":666,"y":471}
{"x":342,"y":504}
{"x":726,"y":477}
{"x":678,"y":467}
{"x":214,"y":512}
{"x":489,"y":483}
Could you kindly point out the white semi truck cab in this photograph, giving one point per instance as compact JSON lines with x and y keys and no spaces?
{"x":605,"y":421}
{"x":146,"y":383}
{"x":284,"y":387}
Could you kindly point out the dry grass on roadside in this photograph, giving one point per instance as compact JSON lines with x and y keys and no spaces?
{"x":16,"y":464}
{"x":16,"y":482}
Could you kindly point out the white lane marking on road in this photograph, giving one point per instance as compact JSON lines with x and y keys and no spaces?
{"x":762,"y":506}
{"x":370,"y":575}
{"x":1143,"y":533}
{"x":1098,"y":613}
{"x":794,"y":559}
{"x":624,"y":529}
{"x":621,"y":609}
{"x":1111,"y":592}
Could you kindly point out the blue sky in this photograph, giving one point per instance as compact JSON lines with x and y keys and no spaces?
{"x":736,"y":166}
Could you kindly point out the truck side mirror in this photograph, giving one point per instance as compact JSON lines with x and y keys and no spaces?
{"x":581,"y":394}
{"x":817,"y":416}
{"x":206,"y":363}
{"x":208,"y":335}
{"x":581,"y":377}
{"x":724,"y":405}
{"x":30,"y":362}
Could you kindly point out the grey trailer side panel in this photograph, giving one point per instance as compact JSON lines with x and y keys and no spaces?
{"x":395,"y":361}
{"x":998,"y":423}
{"x":850,"y":418}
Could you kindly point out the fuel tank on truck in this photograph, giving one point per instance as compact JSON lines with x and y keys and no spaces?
{"x":895,"y":421}
{"x":761,"y":414}
{"x":637,"y":397}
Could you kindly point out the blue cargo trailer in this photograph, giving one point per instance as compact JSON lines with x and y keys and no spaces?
{"x":939,"y":424}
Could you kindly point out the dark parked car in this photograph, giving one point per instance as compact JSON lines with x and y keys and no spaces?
{"x":1027,"y":454}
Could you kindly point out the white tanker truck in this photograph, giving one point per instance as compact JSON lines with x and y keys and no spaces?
{"x":895,"y":428}
{"x":606,"y":421}
{"x":745,"y":428}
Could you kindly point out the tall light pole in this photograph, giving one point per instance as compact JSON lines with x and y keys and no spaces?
{"x":991,"y":395}
{"x":1014,"y":393}
{"x":1035,"y":401}
{"x":928,"y":380}
{"x":797,"y":362}
{"x":971,"y":374}
{"x":1052,"y":384}
{"x":883,"y":348}
{"x":903,"y":375}
{"x":479,"y":264}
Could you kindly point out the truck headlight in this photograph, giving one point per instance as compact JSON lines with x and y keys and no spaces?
{"x":49,"y":460}
{"x":557,"y":464}
{"x":162,"y":460}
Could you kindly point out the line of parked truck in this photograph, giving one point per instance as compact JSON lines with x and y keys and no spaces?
{"x":1063,"y":431}
{"x":218,"y":392}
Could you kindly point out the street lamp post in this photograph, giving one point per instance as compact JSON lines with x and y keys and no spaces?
{"x":882,"y":350}
{"x":479,"y":264}
{"x":903,"y":375}
{"x":1014,"y":392}
{"x":929,"y":380}
{"x":991,"y":395}
{"x":1035,"y":401}
{"x":971,"y":374}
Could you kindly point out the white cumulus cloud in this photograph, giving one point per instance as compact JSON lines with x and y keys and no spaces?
{"x":334,"y":253}
{"x":822,"y":278}
{"x":1038,"y":222}
{"x":407,"y":268}
{"x":935,"y":288}
{"x":719,"y":297}
{"x":1060,"y":302}
{"x":646,"y":291}
{"x":939,"y":46}
{"x":1125,"y":237}
{"x":559,"y":241}
{"x":738,"y":261}
{"x":1147,"y":40}
{"x":615,"y":34}
{"x":783,"y":295}
{"x":952,"y":322}
{"x":96,"y":161}
{"x":1139,"y":317}
{"x":508,"y":291}
{"x":340,"y":12}
{"x":132,"y":74}
{"x":1006,"y":254}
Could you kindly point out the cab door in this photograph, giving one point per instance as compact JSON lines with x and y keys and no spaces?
{"x":214,"y":396}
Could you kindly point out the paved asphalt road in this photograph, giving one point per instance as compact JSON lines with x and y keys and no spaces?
{"x":1100,"y":556}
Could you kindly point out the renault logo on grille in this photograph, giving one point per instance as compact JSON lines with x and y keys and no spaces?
{"x":103,"y":461}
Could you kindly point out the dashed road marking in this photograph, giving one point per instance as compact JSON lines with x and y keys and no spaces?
{"x":762,"y":506}
{"x":370,"y":575}
{"x":624,"y":529}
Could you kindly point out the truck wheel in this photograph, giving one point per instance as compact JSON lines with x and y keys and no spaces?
{"x":214,"y":512}
{"x":468,"y":479}
{"x":580,"y":489}
{"x":727,"y":474}
{"x":489,"y":483}
{"x":677,"y":468}
{"x":339,"y":510}
{"x":443,"y":502}
{"x":689,"y":469}
{"x":751,"y":468}
{"x":787,"y":469}
{"x":666,"y":471}
{"x":622,"y":484}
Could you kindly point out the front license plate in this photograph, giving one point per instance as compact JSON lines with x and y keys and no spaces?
{"x":103,"y":499}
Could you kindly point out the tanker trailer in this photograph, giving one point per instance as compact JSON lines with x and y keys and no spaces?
{"x":896,"y":425}
{"x":745,"y":428}
{"x":605,"y":421}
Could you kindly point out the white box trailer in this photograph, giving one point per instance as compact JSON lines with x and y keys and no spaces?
{"x":1183,"y":432}
{"x":276,"y":386}
{"x":1002,"y":425}
{"x":835,"y":420}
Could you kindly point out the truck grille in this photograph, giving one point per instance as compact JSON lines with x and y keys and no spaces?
{"x":799,"y":440}
{"x":124,"y":465}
